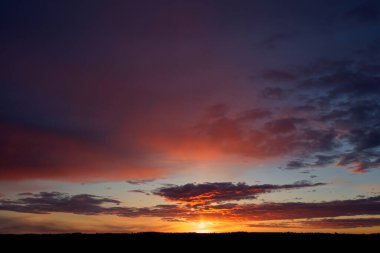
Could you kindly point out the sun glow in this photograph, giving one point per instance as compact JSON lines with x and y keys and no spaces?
{"x":203,"y":227}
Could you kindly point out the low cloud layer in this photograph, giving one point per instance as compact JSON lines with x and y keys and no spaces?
{"x":55,"y":202}
{"x":48,"y":202}
{"x":206,"y":193}
{"x":324,"y":224}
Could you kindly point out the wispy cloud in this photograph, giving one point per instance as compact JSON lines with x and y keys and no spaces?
{"x":140,"y":181}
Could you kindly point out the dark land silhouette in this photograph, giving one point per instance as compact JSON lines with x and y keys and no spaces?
{"x":186,"y":241}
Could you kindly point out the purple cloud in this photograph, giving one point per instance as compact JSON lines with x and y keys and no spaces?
{"x":206,"y":193}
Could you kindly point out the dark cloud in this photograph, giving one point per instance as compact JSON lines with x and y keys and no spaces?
{"x":47,"y":202}
{"x":365,"y":139}
{"x":272,"y":211}
{"x":315,"y":161}
{"x":245,"y":135}
{"x":25,"y":194}
{"x":341,"y":79}
{"x":317,"y":140}
{"x":329,"y":117}
{"x":140,"y":181}
{"x":19,"y":225}
{"x":139,"y":191}
{"x":353,"y":114}
{"x":206,"y":193}
{"x":324,"y":224}
{"x":343,"y":223}
{"x":341,"y":127}
{"x":323,"y":160}
{"x":299,"y":210}
{"x":44,"y":202}
{"x":295,"y":165}
{"x":360,"y":162}
{"x":173,"y":219}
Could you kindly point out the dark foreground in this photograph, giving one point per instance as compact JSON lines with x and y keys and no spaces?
{"x":186,"y":241}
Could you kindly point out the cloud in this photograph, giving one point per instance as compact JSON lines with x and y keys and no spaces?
{"x":95,"y":114}
{"x":333,"y":102}
{"x":336,"y":80}
{"x":139,"y":191}
{"x":324,"y":224}
{"x":140,"y":181}
{"x":256,"y":133}
{"x":359,"y":162}
{"x":25,"y":194}
{"x":344,"y":99}
{"x":47,"y":202}
{"x":84,"y":204}
{"x":343,"y":223}
{"x":16,"y":226}
{"x":299,"y":210}
{"x":173,"y":219}
{"x":206,"y":193}
{"x":295,"y":165}
{"x":315,"y":161}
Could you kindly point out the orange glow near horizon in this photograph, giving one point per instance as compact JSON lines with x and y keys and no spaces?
{"x":204,"y":226}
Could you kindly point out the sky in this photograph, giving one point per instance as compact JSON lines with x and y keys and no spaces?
{"x":189,"y":116}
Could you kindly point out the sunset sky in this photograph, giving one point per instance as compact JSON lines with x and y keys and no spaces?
{"x":189,"y":116}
